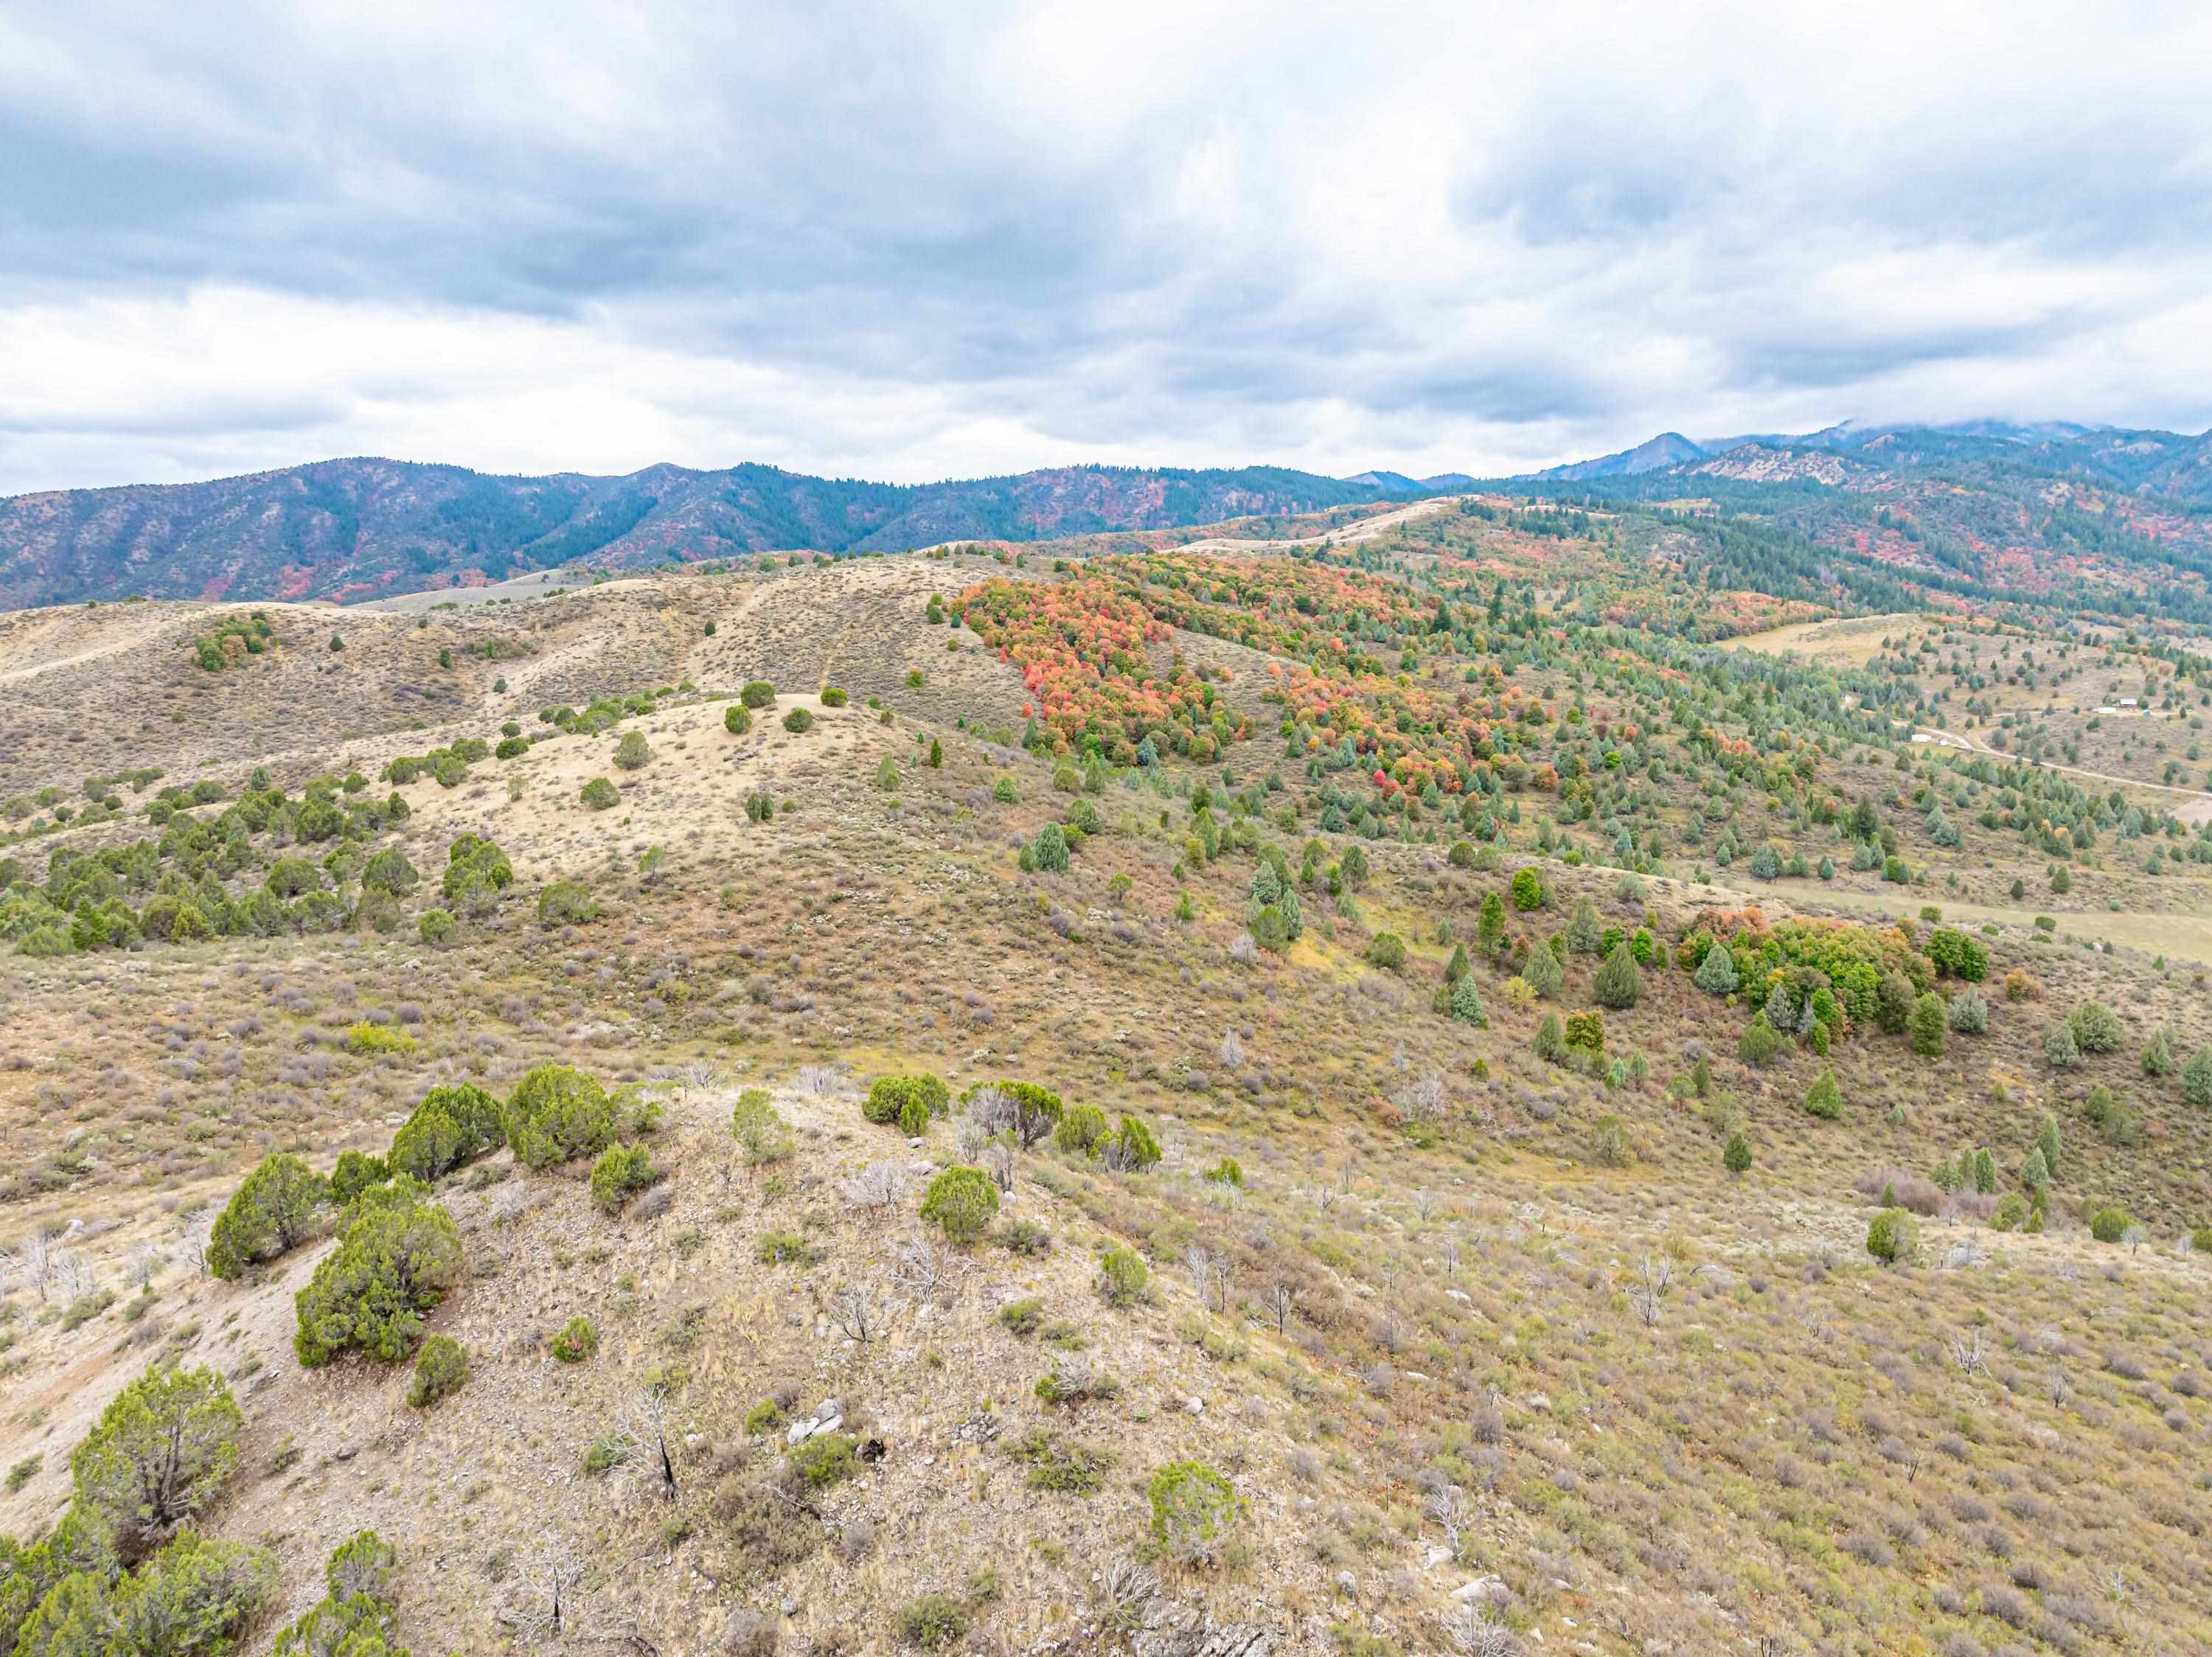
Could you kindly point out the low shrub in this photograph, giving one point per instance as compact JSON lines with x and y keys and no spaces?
{"x":1893,"y":1237}
{"x":961,"y":1202}
{"x":909,"y":1101}
{"x":619,"y":1174}
{"x":779,"y":1248}
{"x":378,"y":1040}
{"x":762,"y":1134}
{"x":566,"y":903}
{"x":1193,"y":1509}
{"x":558,"y":1112}
{"x":440,"y":1369}
{"x":577,"y":1341}
{"x":1026,"y":1238}
{"x":823,"y":1460}
{"x":1122,"y":1276}
{"x":931,"y":1621}
{"x":1070,"y":1469}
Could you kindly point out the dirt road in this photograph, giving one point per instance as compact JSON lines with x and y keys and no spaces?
{"x":2196,"y":805}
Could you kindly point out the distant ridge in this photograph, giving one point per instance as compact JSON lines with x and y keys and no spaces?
{"x":1668,"y":448}
{"x":2162,"y":463}
{"x":368,"y":527}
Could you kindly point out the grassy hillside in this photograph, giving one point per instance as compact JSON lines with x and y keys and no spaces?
{"x":1508,"y":1018}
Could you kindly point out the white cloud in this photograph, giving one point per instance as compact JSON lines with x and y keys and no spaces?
{"x":873,"y":241}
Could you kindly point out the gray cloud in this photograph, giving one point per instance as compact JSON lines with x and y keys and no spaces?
{"x":901,"y":241}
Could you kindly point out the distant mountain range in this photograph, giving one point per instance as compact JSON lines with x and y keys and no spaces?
{"x":352,"y":529}
{"x":362,"y":528}
{"x":2155,"y":463}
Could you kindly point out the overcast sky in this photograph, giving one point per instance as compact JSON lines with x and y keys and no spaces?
{"x":942,"y":240}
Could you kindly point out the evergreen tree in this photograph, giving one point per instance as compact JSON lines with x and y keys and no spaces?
{"x":2196,"y":1077}
{"x":2046,"y":1141}
{"x":1490,"y":924}
{"x":1736,"y":1159}
{"x":1543,"y":973}
{"x":1618,"y":984}
{"x":1826,"y":1096}
{"x":1551,"y":1039}
{"x":1716,"y":974}
{"x":1927,"y":1026}
{"x":2061,"y":1054}
{"x":160,"y":1452}
{"x":1585,"y":932}
{"x":1467,"y":1002}
{"x":266,"y":1216}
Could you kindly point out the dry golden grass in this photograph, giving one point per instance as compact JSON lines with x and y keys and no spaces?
{"x":1681,"y":1410}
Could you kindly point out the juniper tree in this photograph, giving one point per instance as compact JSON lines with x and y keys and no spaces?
{"x":1618,"y":984}
{"x":1467,"y":1002}
{"x":1544,"y":973}
{"x":1927,"y":1026}
{"x":266,"y":1216}
{"x":160,"y":1452}
{"x":1716,"y":974}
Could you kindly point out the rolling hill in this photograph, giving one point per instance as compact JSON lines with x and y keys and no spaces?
{"x":1378,"y":1095}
